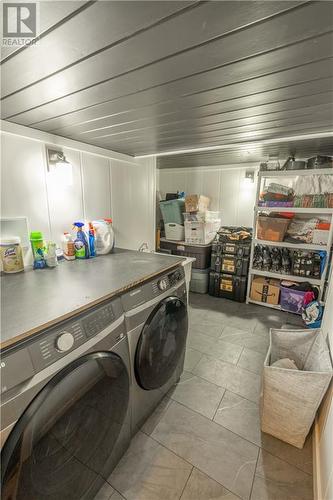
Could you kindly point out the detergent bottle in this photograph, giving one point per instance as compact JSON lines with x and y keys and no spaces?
{"x":104,"y":241}
{"x":80,"y":242}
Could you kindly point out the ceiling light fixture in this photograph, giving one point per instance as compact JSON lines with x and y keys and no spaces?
{"x":240,"y":145}
{"x":249,"y":177}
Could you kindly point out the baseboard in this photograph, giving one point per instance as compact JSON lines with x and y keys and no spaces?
{"x":317,"y":483}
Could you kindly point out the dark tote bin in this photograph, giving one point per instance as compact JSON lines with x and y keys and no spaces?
{"x":230,"y":264}
{"x":227,"y":286}
{"x":202,"y":253}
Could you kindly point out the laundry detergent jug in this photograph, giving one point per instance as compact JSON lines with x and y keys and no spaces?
{"x":104,"y":237}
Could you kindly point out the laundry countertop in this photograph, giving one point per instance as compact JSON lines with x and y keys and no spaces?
{"x":34,"y":300}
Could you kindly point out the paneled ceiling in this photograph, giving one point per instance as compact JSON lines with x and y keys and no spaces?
{"x":249,"y":153}
{"x":144,"y":77}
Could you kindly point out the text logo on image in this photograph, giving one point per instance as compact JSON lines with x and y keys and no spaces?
{"x":19,"y":23}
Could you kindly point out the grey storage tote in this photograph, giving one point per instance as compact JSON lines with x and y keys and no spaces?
{"x":290,"y":398}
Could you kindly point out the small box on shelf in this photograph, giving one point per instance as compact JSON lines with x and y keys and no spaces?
{"x":265,"y":290}
{"x":196,"y":203}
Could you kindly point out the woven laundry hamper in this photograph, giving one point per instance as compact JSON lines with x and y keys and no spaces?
{"x":290,"y":398}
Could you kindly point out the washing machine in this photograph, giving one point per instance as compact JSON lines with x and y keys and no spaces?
{"x":65,"y":409}
{"x":157,"y":323}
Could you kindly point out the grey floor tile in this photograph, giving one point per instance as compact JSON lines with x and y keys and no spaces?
{"x":192,"y":358}
{"x":231,"y":377}
{"x":243,"y":322}
{"x":244,"y":338}
{"x":276,"y":479}
{"x":198,"y":394}
{"x":156,"y":416}
{"x":117,"y":496}
{"x":221,"y":454}
{"x":148,"y":471}
{"x":252,"y":360}
{"x":217,"y":348}
{"x":301,"y":458}
{"x":207,"y":328}
{"x":105,"y":492}
{"x":202,"y":487}
{"x":241,"y":416}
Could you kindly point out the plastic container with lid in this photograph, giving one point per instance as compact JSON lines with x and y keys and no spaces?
{"x":11,"y":255}
{"x":104,"y":236}
{"x":38,"y":249}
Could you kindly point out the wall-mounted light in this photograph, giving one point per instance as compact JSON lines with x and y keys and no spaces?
{"x":249,"y":177}
{"x":60,"y":169}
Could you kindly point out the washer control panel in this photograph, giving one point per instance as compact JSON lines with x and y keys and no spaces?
{"x":62,"y":339}
{"x":98,"y":320}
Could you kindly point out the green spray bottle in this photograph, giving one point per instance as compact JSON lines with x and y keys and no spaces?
{"x":81,"y":242}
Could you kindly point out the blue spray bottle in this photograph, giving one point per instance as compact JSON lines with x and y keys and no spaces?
{"x":91,"y":234}
{"x":81,"y":242}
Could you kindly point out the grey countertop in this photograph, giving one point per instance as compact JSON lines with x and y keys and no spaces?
{"x":33,"y":300}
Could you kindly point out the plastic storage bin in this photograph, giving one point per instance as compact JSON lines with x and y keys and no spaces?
{"x":290,"y":398}
{"x":291,"y":300}
{"x":271,"y":228}
{"x":174,"y":231}
{"x":172,"y":211}
{"x":199,"y":281}
{"x":201,"y":253}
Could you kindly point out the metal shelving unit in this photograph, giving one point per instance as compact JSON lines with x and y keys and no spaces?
{"x":311,"y":247}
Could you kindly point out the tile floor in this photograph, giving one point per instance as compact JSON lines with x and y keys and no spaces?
{"x":203,"y":441}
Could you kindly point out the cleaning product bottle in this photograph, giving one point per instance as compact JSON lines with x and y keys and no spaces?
{"x":80,"y":242}
{"x":51,"y":256}
{"x":104,"y":242}
{"x":91,"y":234}
{"x":68,"y":246}
{"x":38,"y":249}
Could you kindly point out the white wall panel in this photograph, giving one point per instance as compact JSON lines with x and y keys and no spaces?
{"x":211,"y":185}
{"x":23,"y":190}
{"x":225,"y":187}
{"x":229,"y":197}
{"x":194,"y":181}
{"x":246,"y":200}
{"x":96,"y":186}
{"x":133,"y":193}
{"x":65,"y":202}
{"x":29,"y":190}
{"x":171,"y":181}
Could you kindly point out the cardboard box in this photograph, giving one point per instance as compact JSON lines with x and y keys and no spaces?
{"x":200,"y":233}
{"x":265,"y":290}
{"x":196,"y":203}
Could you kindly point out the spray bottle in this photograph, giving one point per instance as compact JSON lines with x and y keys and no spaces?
{"x":91,"y":234}
{"x":80,"y":242}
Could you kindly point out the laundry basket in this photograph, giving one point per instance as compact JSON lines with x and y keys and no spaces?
{"x":290,"y":398}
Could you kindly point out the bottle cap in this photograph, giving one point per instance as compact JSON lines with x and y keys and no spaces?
{"x":10,"y":240}
{"x":36,"y":235}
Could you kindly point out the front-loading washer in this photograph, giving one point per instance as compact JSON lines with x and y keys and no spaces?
{"x":65,"y":409}
{"x":157,"y":323}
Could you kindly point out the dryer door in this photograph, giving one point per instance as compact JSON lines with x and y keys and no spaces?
{"x":70,"y":432}
{"x":161,"y":344}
